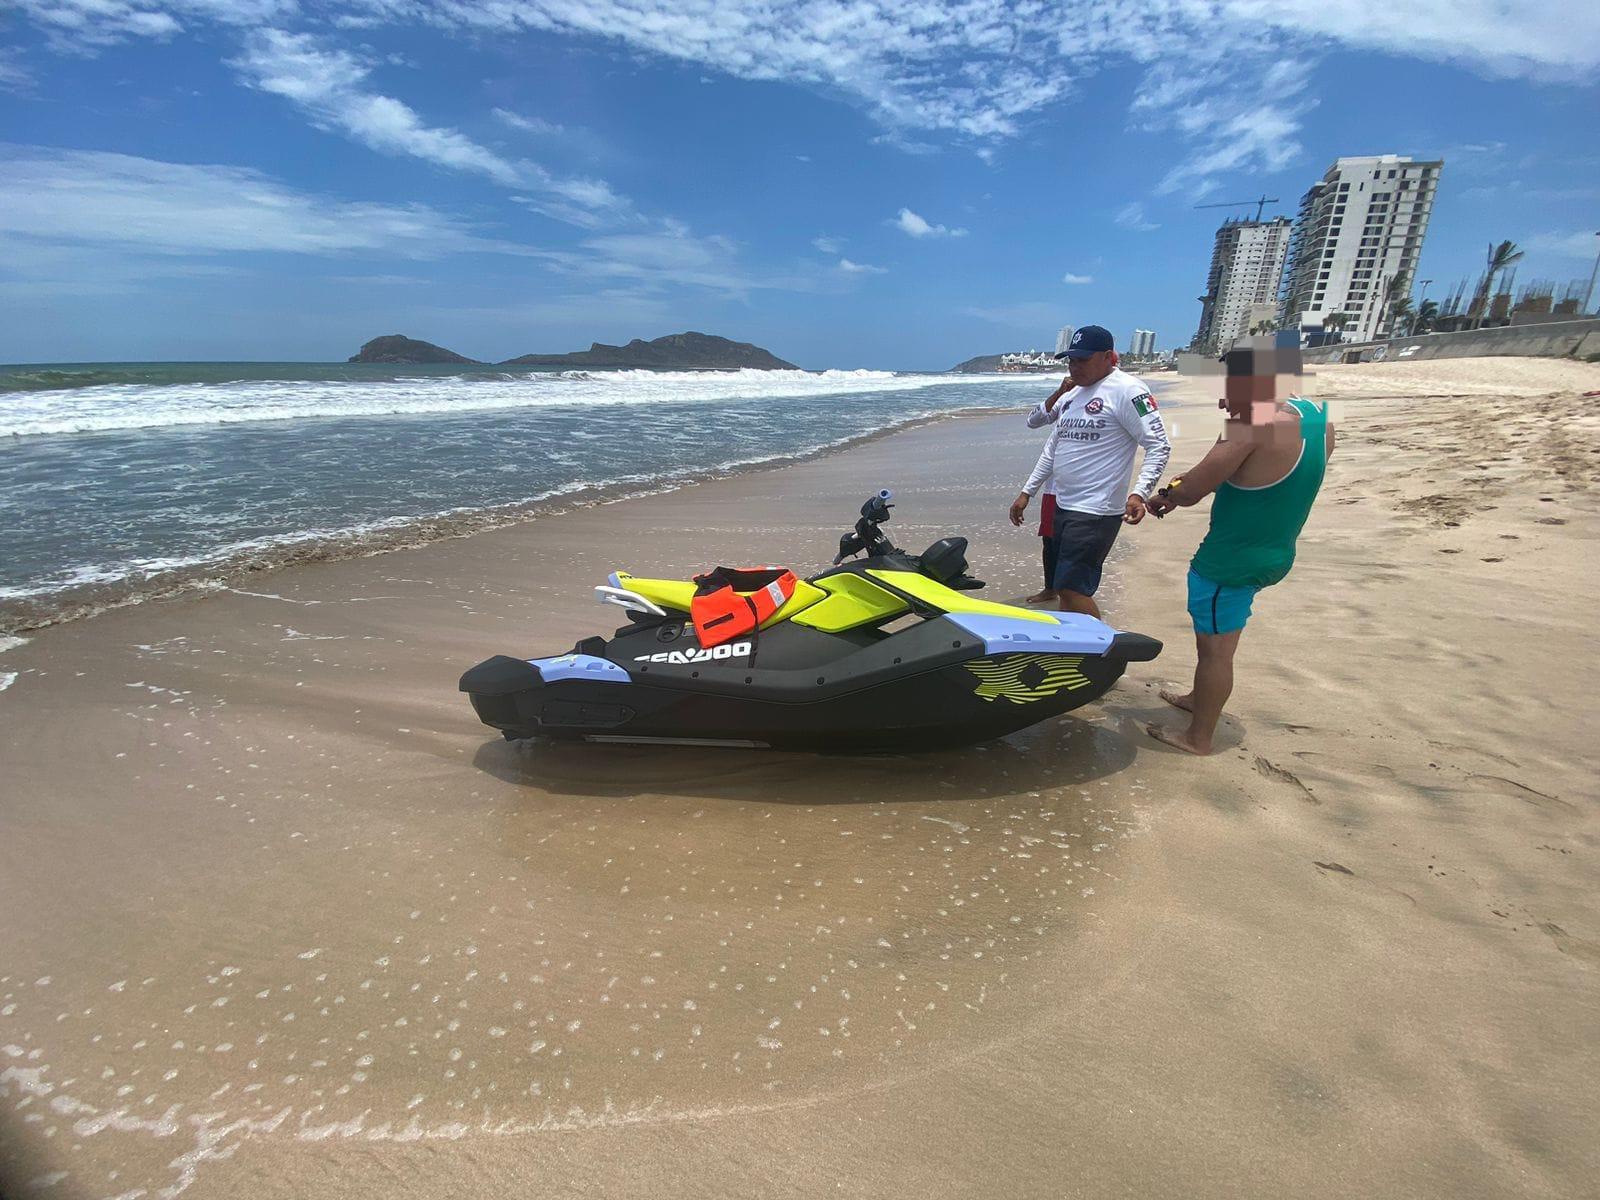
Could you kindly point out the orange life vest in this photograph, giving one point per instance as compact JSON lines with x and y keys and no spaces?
{"x":732,"y":601}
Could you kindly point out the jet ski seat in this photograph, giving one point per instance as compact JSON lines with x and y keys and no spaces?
{"x":675,"y":595}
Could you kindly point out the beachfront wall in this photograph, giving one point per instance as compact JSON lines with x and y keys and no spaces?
{"x":1549,"y":339}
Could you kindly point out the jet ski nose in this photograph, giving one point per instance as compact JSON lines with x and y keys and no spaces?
{"x":1133,"y":647}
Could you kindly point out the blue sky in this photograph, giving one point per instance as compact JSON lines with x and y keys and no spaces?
{"x":883,"y":183}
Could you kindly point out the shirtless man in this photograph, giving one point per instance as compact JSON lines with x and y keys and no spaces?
{"x":1265,"y":470}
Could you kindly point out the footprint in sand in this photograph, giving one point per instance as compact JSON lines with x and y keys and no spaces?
{"x":1273,"y":771}
{"x":1552,"y":520}
{"x":1577,"y":947}
{"x":1337,"y":763}
{"x":1522,"y":787}
{"x":1473,"y":750}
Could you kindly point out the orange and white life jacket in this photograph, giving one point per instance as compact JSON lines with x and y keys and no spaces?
{"x":730,"y":602}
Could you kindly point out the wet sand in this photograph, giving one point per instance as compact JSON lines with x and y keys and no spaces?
{"x":283,"y":918}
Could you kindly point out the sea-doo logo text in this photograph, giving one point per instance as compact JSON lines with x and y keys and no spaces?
{"x":717,"y":653}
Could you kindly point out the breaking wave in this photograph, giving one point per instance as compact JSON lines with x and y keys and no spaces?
{"x":113,"y":407}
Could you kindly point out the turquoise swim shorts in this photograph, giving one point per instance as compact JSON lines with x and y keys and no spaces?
{"x":1215,"y":607}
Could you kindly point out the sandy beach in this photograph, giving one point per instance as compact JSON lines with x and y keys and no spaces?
{"x":282,"y":919}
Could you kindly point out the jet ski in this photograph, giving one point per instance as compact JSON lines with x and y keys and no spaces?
{"x":883,"y":651}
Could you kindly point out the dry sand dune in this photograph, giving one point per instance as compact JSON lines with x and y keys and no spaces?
{"x":283,"y":919}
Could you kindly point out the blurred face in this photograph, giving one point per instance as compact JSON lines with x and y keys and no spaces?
{"x":1252,"y":399}
{"x":1086,"y":371}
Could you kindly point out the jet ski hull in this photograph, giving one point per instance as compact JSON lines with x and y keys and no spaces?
{"x":948,"y":681}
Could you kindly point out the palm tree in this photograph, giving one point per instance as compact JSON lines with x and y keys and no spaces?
{"x":1422,"y":320}
{"x":1335,"y":321}
{"x":1499,"y":258}
{"x":1396,"y":302}
{"x":1267,"y":326}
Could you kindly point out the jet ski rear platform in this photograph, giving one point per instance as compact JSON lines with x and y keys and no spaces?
{"x":888,"y":652}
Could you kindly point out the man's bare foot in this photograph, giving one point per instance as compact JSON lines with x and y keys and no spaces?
{"x":1179,"y":740}
{"x":1185,"y":701}
{"x":1041,"y":598}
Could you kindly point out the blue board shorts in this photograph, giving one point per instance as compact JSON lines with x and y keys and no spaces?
{"x":1217,"y":608}
{"x":1085,"y":540}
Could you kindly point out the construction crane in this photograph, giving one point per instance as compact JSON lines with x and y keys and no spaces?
{"x":1260,"y":204}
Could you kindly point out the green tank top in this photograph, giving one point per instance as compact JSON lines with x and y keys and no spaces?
{"x":1253,"y":530}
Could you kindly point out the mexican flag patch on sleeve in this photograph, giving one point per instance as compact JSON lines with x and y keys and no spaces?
{"x":1144,"y":404}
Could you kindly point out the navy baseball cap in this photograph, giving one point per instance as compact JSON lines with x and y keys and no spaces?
{"x":1091,"y":339}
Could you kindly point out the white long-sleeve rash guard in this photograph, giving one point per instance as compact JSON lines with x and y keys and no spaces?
{"x":1089,"y":457}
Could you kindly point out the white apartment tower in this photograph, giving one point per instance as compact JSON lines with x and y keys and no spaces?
{"x":1143,"y":344}
{"x":1357,"y":230}
{"x":1064,"y":338}
{"x":1246,"y":269}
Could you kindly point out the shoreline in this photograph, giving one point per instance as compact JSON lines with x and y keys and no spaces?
{"x":22,"y":615}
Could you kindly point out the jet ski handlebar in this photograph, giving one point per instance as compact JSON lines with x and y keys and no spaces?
{"x":867,"y":536}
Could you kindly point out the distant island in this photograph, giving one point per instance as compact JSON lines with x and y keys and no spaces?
{"x":1032,"y":361}
{"x":680,"y":351}
{"x":398,"y":349}
{"x":974,"y":366}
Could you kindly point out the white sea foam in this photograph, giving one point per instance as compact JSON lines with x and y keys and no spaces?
{"x":121,"y":407}
{"x":100,"y":574}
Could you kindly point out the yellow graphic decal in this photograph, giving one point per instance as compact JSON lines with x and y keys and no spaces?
{"x":1024,"y":678}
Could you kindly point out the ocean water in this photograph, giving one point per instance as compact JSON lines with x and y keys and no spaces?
{"x":121,"y":480}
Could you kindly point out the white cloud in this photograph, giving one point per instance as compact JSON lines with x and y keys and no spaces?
{"x":1583,"y":244}
{"x":1238,"y":110}
{"x":328,"y":84}
{"x":670,"y":254}
{"x":380,"y":281}
{"x":87,"y":25}
{"x":975,"y":67}
{"x":1503,"y":37}
{"x":1131,"y":216}
{"x":141,"y":205}
{"x":897,"y":140}
{"x":98,"y":222}
{"x":855,"y":268}
{"x":971,"y":69}
{"x":14,"y":75}
{"x":535,"y":125}
{"x":827,"y":243}
{"x":919,"y":227}
{"x":979,"y":68}
{"x":1069,"y":277}
{"x":1228,"y":77}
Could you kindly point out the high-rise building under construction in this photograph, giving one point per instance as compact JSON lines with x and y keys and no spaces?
{"x":1246,"y":269}
{"x":1358,"y":229}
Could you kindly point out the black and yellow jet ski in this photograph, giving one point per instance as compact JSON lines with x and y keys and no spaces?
{"x":882,"y":652}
